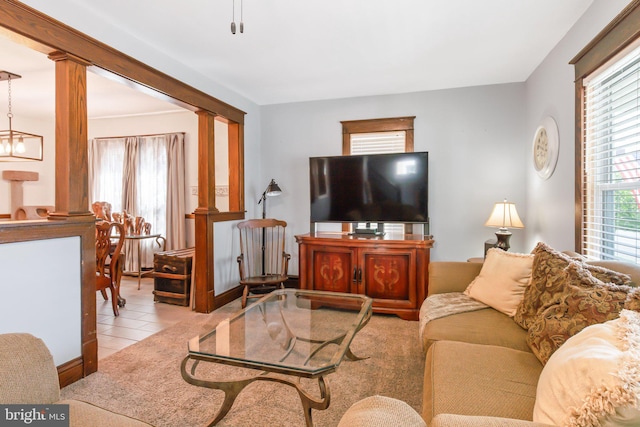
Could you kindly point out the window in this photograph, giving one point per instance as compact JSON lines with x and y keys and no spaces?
{"x":608,"y":141}
{"x":612,"y":161}
{"x":143,"y":175}
{"x":378,"y":136}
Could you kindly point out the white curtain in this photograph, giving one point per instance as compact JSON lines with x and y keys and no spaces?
{"x":106,"y":171}
{"x":176,"y":235}
{"x":143,"y":175}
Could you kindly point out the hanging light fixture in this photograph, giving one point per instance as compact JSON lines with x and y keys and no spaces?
{"x":233,"y":17}
{"x":16,"y":145}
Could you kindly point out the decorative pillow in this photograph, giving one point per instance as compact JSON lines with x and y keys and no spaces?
{"x":633,"y":300}
{"x":502,"y":280}
{"x":593,"y":379}
{"x":547,"y":282}
{"x":584,"y":301}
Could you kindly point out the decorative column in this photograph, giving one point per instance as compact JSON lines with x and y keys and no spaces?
{"x":72,"y":179}
{"x":204,"y":270}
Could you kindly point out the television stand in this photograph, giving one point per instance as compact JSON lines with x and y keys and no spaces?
{"x":393,"y":270}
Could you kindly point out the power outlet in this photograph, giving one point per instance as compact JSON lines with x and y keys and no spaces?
{"x":194,"y":191}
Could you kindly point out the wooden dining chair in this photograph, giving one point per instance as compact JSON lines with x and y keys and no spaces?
{"x":263,"y":262}
{"x":109,"y":261}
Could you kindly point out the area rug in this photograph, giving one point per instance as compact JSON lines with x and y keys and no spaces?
{"x":144,"y":381}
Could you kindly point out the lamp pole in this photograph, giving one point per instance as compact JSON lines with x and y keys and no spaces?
{"x":273,"y":189}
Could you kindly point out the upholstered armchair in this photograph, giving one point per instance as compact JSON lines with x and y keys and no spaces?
{"x":28,"y":376}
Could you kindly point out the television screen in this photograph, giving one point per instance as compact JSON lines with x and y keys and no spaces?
{"x":370,"y":188}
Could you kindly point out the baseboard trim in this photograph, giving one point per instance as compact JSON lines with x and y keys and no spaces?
{"x":70,"y":372}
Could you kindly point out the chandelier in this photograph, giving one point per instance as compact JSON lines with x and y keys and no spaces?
{"x":16,"y":145}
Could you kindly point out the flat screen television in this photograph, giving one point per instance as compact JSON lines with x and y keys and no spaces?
{"x":370,"y":188}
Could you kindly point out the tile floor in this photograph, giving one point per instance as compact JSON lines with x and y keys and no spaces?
{"x":138,"y":319}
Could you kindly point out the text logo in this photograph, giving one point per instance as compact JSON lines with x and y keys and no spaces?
{"x":34,"y":415}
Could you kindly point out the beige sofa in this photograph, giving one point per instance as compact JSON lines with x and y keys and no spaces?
{"x":479,"y":369}
{"x":28,"y":376}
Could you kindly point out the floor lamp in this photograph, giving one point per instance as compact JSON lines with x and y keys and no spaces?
{"x":273,"y":189}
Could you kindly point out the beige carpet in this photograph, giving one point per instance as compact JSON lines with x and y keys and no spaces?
{"x":144,"y":380}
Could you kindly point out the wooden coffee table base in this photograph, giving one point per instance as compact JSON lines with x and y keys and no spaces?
{"x":232,"y":389}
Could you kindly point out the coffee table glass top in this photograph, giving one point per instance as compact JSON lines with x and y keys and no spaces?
{"x":305,"y":333}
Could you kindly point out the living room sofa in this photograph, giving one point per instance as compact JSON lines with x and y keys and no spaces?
{"x":482,"y":368}
{"x":546,"y":336}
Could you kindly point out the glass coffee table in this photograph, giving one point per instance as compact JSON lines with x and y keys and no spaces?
{"x":287,"y":335}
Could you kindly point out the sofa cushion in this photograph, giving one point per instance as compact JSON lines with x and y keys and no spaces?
{"x":472,"y":379}
{"x":485,"y":326}
{"x":454,"y":420}
{"x":584,"y":301}
{"x":502,"y":280}
{"x":547,"y":282}
{"x":594,"y":377}
{"x":381,"y":411}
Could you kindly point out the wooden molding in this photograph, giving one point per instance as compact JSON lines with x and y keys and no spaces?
{"x":617,"y":35}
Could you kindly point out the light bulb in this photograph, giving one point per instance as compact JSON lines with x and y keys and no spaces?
{"x":6,"y":147}
{"x":20,"y":148}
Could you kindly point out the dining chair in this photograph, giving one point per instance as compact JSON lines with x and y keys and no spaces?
{"x":263,"y":262}
{"x":109,"y":261}
{"x":102,"y":210}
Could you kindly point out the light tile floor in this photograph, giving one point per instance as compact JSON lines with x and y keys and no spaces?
{"x":138,"y":319}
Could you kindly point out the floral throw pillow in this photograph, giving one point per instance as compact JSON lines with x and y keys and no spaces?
{"x":585,"y":301}
{"x":548,"y":282}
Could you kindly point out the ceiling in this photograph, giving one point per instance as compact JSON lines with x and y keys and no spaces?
{"x":294,"y":50}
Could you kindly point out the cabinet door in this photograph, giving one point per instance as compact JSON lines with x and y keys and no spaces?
{"x":389,"y":274}
{"x":332,"y":269}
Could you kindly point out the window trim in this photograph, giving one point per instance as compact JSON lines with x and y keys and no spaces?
{"x":377,"y":125}
{"x":621,"y":32}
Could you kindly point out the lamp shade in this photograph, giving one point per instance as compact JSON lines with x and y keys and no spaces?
{"x":504,"y":215}
{"x":273,"y":189}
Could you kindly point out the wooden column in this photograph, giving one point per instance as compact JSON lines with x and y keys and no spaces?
{"x":72,"y":182}
{"x":72,"y":193}
{"x":204,"y":292}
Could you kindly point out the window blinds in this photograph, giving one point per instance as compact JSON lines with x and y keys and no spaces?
{"x":611,"y":207}
{"x":378,"y":143}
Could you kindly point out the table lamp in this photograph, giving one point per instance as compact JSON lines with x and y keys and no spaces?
{"x":504,"y":216}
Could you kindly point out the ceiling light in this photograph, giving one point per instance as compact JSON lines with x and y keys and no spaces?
{"x":16,"y":145}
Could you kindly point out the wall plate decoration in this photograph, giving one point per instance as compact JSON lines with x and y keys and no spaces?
{"x":546,"y":146}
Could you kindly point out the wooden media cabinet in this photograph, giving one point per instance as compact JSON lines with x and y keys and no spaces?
{"x":393,"y":270}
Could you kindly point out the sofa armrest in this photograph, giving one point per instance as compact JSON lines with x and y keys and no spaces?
{"x":451,"y":276}
{"x":452,"y":420}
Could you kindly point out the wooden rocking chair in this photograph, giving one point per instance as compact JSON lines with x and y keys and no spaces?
{"x":263,"y":262}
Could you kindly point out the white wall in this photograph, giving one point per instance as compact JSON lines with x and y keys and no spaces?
{"x":550,"y":91}
{"x":475,"y":157}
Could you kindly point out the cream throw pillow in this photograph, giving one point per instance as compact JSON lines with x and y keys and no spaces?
{"x":502,"y":280}
{"x":593,"y":379}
